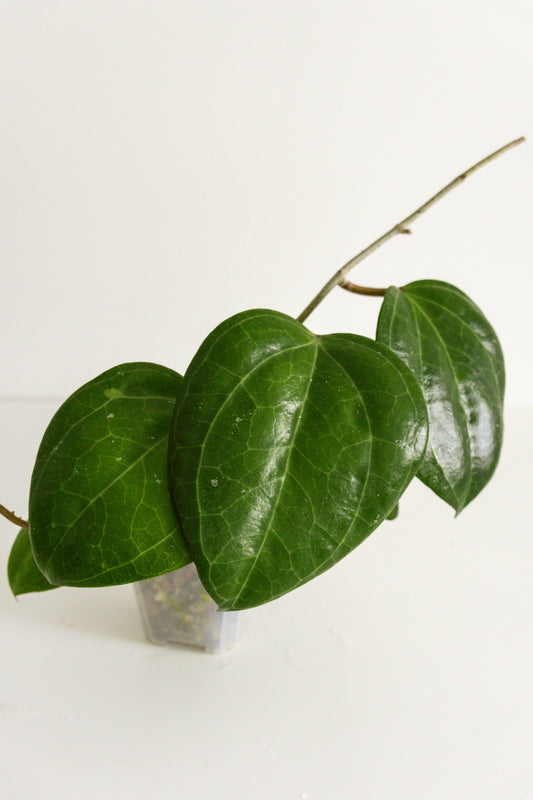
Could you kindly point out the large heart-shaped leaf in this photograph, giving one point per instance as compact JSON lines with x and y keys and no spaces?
{"x":286,"y":451}
{"x":23,"y":573}
{"x":455,"y":354}
{"x":100,"y":512}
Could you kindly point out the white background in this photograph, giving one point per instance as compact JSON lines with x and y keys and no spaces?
{"x":164,"y":165}
{"x":403,"y":673}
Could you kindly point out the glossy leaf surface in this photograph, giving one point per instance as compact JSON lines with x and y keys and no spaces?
{"x":395,"y":512}
{"x":100,"y":512}
{"x":286,"y":451}
{"x":23,"y":573}
{"x":454,"y":352}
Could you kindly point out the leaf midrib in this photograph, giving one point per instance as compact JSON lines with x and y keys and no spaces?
{"x":294,"y":435}
{"x":72,"y":427}
{"x":371,"y":443}
{"x":466,"y":491}
{"x":227,"y":399}
{"x":478,"y":339}
{"x":407,"y":299}
{"x":101,"y":493}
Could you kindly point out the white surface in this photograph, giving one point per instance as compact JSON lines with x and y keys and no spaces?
{"x":167,"y":163}
{"x":404,"y":672}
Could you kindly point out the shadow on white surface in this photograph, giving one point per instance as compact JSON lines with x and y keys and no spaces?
{"x":109,"y":612}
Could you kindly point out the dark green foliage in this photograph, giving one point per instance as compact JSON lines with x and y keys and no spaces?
{"x":100,"y":510}
{"x":287,"y":450}
{"x":277,"y":454}
{"x":455,"y":355}
{"x":395,"y":512}
{"x":23,"y":573}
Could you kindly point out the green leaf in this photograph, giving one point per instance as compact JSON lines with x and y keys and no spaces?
{"x":100,"y":511}
{"x":23,"y":573}
{"x":286,"y":451}
{"x":455,"y":354}
{"x":395,"y":512}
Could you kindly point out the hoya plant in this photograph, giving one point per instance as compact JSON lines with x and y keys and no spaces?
{"x":275,"y":455}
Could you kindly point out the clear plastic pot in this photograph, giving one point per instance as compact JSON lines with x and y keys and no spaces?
{"x":175,"y":608}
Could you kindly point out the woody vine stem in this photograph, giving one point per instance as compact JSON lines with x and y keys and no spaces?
{"x":339,"y":278}
{"x":12,"y":517}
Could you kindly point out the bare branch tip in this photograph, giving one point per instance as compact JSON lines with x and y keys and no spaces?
{"x":339,"y":278}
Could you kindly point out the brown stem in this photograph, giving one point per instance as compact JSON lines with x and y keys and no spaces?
{"x":401,"y":227}
{"x":12,"y":517}
{"x":367,"y":290}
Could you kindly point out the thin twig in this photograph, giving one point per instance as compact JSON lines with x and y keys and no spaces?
{"x":401,"y":227}
{"x":369,"y":291}
{"x":12,"y":517}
